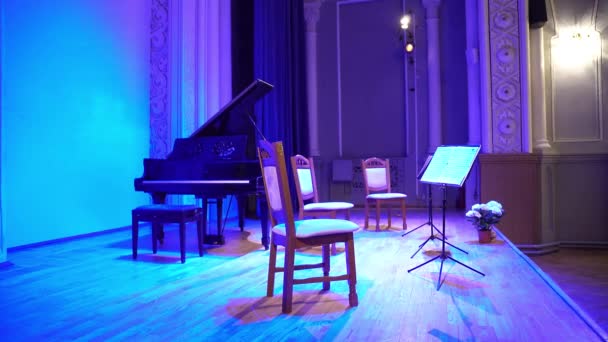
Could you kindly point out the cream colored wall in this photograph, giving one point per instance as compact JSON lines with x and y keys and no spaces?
{"x":574,"y":168}
{"x":574,"y":146}
{"x":576,"y":74}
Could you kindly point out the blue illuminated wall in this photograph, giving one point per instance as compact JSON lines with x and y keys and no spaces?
{"x":75,"y":124}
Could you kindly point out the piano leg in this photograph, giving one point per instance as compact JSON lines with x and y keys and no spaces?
{"x":241,"y":204}
{"x":159,"y":198}
{"x":211,"y":238}
{"x":220,"y":223}
{"x":204,"y":201}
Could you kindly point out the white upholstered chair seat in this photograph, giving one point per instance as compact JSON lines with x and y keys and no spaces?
{"x":386,"y":196}
{"x":310,"y":228}
{"x":328,"y":206}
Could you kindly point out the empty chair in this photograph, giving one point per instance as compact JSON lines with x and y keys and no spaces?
{"x":306,"y":188}
{"x":292,"y":234}
{"x":377,"y":179}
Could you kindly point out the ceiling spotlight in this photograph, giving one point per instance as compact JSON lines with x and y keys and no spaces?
{"x":405,"y":21}
{"x":409,"y":47}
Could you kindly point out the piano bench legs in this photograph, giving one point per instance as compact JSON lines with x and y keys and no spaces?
{"x":159,"y":214}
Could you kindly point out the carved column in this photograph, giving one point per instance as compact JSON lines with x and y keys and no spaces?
{"x":160,"y":114}
{"x":507,"y":84}
{"x":537,"y":74}
{"x":434,"y":73}
{"x":311,"y":14}
{"x":472,"y":191}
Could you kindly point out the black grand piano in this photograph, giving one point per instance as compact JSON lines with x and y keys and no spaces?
{"x":217,"y":160}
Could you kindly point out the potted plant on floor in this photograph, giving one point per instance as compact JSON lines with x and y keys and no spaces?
{"x":484,"y":216}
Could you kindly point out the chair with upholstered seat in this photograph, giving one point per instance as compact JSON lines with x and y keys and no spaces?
{"x":306,"y":188}
{"x":292,"y":234}
{"x":377,"y":180}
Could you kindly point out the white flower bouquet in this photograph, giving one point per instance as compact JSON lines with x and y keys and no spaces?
{"x":485,"y":215}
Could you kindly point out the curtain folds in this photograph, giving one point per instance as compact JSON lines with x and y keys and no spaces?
{"x":279,"y":58}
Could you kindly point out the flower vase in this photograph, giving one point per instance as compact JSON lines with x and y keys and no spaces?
{"x":485,"y":236}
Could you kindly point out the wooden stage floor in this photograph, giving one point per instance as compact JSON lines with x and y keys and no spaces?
{"x":90,"y":289}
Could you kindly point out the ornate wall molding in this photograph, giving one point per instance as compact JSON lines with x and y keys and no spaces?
{"x":160,"y":114}
{"x":505,"y":82}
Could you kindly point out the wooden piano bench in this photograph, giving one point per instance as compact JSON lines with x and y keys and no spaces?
{"x":159,"y":214}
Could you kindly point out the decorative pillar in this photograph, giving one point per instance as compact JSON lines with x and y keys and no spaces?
{"x":537,"y":74}
{"x":311,"y":14}
{"x":472,"y":191}
{"x":507,"y":83}
{"x":434,"y":74}
{"x":160,"y":114}
{"x":190,"y":67}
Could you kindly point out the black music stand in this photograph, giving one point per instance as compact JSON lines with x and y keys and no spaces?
{"x":430,"y":209}
{"x":449,"y":166}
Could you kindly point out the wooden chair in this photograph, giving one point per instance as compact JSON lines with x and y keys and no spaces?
{"x":166,"y":213}
{"x":306,"y":189}
{"x":292,"y":234}
{"x":377,"y":179}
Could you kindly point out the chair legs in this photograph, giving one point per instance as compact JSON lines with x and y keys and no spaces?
{"x":334,"y":250}
{"x":326,"y":264}
{"x":351,"y":270}
{"x":389,"y":214}
{"x":272,"y":265}
{"x":366,"y":214}
{"x":156,"y":228}
{"x":377,"y":215}
{"x":288,"y":273}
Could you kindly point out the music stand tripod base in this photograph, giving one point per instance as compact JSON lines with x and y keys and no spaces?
{"x":428,"y":222}
{"x":430,"y":216}
{"x":443,"y":254}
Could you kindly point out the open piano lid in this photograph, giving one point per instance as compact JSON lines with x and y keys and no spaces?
{"x":242,"y":102}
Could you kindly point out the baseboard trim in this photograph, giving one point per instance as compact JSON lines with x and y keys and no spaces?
{"x":584,"y":244}
{"x":546,"y":248}
{"x":67,"y":238}
{"x":5,"y":264}
{"x":539,"y":249}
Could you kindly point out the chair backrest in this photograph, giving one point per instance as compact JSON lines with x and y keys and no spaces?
{"x":304,"y":176}
{"x":376,"y":175}
{"x":276,"y":184}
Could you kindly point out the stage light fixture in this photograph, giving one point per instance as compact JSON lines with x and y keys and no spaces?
{"x":409,"y":47}
{"x":407,"y":37}
{"x":405,"y":21}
